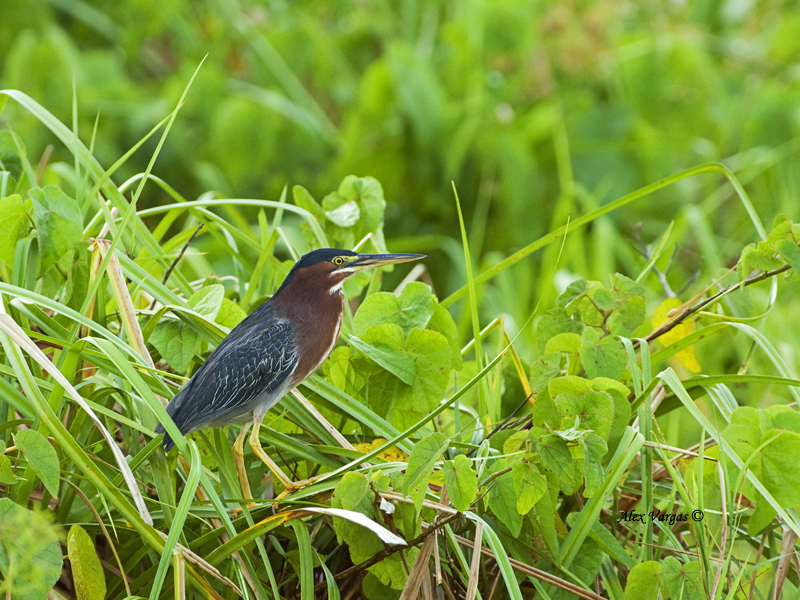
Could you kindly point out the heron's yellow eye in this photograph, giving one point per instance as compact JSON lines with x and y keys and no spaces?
{"x":338,"y":261}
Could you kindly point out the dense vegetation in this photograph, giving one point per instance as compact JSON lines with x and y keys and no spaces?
{"x":588,"y":391}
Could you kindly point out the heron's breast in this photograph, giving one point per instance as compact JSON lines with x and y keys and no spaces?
{"x":316,"y":337}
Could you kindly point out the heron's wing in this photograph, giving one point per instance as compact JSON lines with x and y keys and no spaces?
{"x":256,"y":358}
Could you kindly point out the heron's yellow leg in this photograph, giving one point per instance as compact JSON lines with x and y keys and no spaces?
{"x":238,"y":458}
{"x":288,"y":484}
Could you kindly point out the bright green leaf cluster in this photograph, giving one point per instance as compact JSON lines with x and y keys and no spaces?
{"x":42,"y":458}
{"x":400,"y":356}
{"x":347,"y":216}
{"x":6,"y":474}
{"x":177,"y":341}
{"x":780,"y":247}
{"x":30,"y":555}
{"x":768,"y":441}
{"x":87,"y":572}
{"x":355,"y":492}
{"x":14,"y":224}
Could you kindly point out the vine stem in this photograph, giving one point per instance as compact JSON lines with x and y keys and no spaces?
{"x":691,"y":310}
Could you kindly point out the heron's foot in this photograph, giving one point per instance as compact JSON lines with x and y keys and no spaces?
{"x":237,"y":512}
{"x":293,"y":486}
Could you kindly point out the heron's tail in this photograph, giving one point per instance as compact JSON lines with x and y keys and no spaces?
{"x":168,"y":443}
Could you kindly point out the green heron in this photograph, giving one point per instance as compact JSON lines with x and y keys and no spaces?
{"x":271,"y":352}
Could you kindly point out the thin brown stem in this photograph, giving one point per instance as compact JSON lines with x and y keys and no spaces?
{"x":180,"y":255}
{"x":688,"y":312}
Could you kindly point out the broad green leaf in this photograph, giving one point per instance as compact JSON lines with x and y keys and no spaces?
{"x":594,"y":449}
{"x":374,"y":589}
{"x":516,"y":441}
{"x":556,"y":456}
{"x":230,"y":314}
{"x":14,"y":225}
{"x":402,"y":404}
{"x":781,"y":229}
{"x":604,"y":384}
{"x":746,"y":415}
{"x":305,"y":200}
{"x":6,"y":474}
{"x":595,"y":410}
{"x":385,"y":345}
{"x":391,"y":571}
{"x":545,"y":369}
{"x":622,"y":416}
{"x":555,"y":321}
{"x":342,"y":230}
{"x":345,"y":215}
{"x":461,"y":481}
{"x":59,"y":225}
{"x":367,"y":193}
{"x":757,"y":257}
{"x":569,"y":384}
{"x":442,"y":322}
{"x":544,"y":412}
{"x":564,"y":342}
{"x":591,"y":315}
{"x":413,"y":308}
{"x":763,"y":515}
{"x":643,"y":581}
{"x":780,"y":417}
{"x":87,"y":572}
{"x":352,"y":493}
{"x":208,"y":301}
{"x":10,"y":155}
{"x":604,"y":300}
{"x":779,"y":471}
{"x":543,"y":516}
{"x":41,"y":457}
{"x":774,"y":463}
{"x":631,"y":301}
{"x":76,"y":286}
{"x":176,"y":342}
{"x":682,"y":580}
{"x":602,"y":357}
{"x":744,"y":439}
{"x":423,"y":456}
{"x":790,"y":252}
{"x":503,"y":499}
{"x":29,"y":544}
{"x":351,"y":489}
{"x":585,"y":565}
{"x":574,"y":291}
{"x":343,"y":372}
{"x":529,"y":485}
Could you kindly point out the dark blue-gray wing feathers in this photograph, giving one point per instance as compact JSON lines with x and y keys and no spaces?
{"x":255,"y":359}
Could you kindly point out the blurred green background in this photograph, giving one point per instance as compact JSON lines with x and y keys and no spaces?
{"x":534,"y":110}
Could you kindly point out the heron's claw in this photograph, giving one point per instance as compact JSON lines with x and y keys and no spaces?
{"x":293,"y":486}
{"x":237,"y":512}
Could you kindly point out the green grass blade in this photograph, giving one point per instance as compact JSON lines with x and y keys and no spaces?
{"x":306,"y":560}
{"x":486,"y":409}
{"x":709,"y":168}
{"x":671,"y":380}
{"x":500,"y":555}
{"x":176,"y":527}
{"x":628,"y":447}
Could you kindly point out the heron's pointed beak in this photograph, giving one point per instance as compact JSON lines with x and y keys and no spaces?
{"x":370,"y":261}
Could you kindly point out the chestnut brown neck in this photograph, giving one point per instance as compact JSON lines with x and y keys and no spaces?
{"x":314,"y":306}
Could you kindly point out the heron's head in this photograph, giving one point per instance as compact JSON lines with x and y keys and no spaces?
{"x":327,"y":268}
